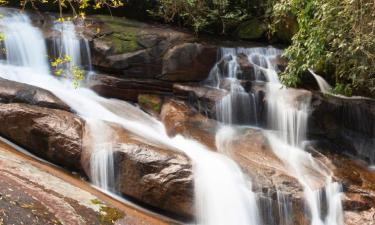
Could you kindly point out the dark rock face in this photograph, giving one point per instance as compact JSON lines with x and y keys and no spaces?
{"x":14,"y":92}
{"x":188,"y":62}
{"x":52,"y":134}
{"x":128,"y":89}
{"x":128,"y":48}
{"x":347,"y":122}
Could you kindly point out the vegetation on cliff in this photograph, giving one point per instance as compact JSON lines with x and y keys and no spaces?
{"x":335,"y":38}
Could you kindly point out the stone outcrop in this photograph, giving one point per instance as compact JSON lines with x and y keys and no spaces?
{"x":52,"y":134}
{"x":128,"y":89}
{"x":14,"y":92}
{"x":188,"y":62}
{"x":150,"y":173}
{"x":346,"y":122}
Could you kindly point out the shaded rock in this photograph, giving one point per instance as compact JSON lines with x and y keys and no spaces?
{"x":52,"y":134}
{"x":188,"y":62}
{"x":14,"y":92}
{"x":128,"y":48}
{"x":128,"y":89}
{"x":251,"y":30}
{"x":347,"y":122}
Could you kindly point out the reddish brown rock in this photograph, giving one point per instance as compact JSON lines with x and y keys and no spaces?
{"x":52,"y":134}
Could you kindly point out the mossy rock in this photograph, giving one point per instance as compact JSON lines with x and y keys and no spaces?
{"x":251,"y":30}
{"x":122,"y":33}
{"x":150,"y":103}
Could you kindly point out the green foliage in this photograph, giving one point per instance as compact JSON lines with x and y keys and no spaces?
{"x":63,"y":67}
{"x":200,"y":14}
{"x":336,"y":38}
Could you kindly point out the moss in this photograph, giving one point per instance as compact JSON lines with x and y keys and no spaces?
{"x":96,"y":201}
{"x":124,"y":34}
{"x":150,"y":102}
{"x":123,"y":42}
{"x":110,"y":215}
{"x":251,"y":30}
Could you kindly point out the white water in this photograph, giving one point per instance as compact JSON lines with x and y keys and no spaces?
{"x":221,"y":192}
{"x":323,"y":84}
{"x":238,"y":106}
{"x":287,"y":119}
{"x":72,"y":45}
{"x":287,"y":116}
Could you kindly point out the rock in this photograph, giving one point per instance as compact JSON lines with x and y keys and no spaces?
{"x":150,"y":173}
{"x":52,"y":134}
{"x":247,"y":146}
{"x":14,"y":92}
{"x":188,"y":62}
{"x":128,"y":89}
{"x":150,"y":103}
{"x":179,"y":118}
{"x":251,"y":30}
{"x":347,"y":122}
{"x":203,"y":98}
{"x":128,"y":48}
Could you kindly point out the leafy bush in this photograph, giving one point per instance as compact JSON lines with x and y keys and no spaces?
{"x":207,"y":14}
{"x":336,"y":38}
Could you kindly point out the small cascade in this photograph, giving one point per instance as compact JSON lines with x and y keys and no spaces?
{"x":287,"y":115}
{"x":323,"y":84}
{"x":238,"y":106}
{"x":26,"y":42}
{"x":101,"y":161}
{"x":221,"y":191}
{"x":70,"y":44}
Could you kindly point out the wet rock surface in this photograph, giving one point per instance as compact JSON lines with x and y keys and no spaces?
{"x":128,"y":89}
{"x":13,"y":92}
{"x":52,"y":134}
{"x":39,"y":194}
{"x":151,"y":173}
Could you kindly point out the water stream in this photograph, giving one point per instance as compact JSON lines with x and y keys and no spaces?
{"x":286,"y":125}
{"x":221,"y":191}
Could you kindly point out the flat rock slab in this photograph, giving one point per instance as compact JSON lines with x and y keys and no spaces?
{"x":30,"y":194}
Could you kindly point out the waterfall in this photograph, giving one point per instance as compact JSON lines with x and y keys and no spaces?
{"x":20,"y":36}
{"x":287,"y":114}
{"x":70,"y":44}
{"x":222,"y":196}
{"x":323,"y":84}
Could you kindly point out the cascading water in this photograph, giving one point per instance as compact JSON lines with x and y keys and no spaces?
{"x":70,"y":44}
{"x":323,"y":84}
{"x":287,"y":119}
{"x":19,"y":36}
{"x":238,"y":106}
{"x":221,"y":192}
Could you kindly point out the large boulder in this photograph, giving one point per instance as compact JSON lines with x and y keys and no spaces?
{"x":14,"y":92}
{"x":150,"y":173}
{"x":128,"y":48}
{"x":188,"y":62}
{"x":52,"y":134}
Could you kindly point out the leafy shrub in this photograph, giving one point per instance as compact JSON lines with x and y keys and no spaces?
{"x":336,"y":38}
